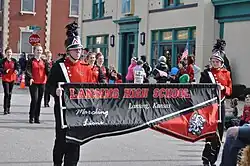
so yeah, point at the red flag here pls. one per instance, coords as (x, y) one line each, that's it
(193, 125)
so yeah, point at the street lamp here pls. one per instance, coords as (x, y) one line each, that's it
(112, 40)
(142, 38)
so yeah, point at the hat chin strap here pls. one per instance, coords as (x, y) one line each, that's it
(73, 57)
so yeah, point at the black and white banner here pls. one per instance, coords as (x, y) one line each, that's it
(90, 111)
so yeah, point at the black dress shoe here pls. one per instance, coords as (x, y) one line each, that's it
(8, 111)
(31, 121)
(46, 105)
(5, 112)
(37, 121)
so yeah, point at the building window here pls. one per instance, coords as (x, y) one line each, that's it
(98, 8)
(99, 44)
(28, 5)
(74, 8)
(171, 43)
(24, 42)
(171, 3)
(1, 5)
(182, 34)
(167, 35)
(127, 7)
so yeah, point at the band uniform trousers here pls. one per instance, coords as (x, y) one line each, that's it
(46, 97)
(36, 94)
(70, 152)
(8, 87)
(212, 147)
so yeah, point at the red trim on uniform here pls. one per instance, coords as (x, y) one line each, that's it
(11, 75)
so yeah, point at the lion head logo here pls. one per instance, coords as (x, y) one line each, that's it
(196, 124)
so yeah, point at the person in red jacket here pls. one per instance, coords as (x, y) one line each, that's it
(104, 69)
(245, 118)
(190, 68)
(217, 74)
(9, 68)
(97, 75)
(36, 72)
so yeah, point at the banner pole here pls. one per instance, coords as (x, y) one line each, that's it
(219, 93)
(61, 107)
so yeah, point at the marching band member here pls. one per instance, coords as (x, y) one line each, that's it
(216, 74)
(9, 69)
(68, 69)
(46, 93)
(36, 72)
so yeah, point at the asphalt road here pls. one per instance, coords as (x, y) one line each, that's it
(24, 144)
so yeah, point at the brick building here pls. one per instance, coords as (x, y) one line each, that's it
(21, 15)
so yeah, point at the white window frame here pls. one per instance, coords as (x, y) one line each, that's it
(28, 12)
(72, 15)
(24, 29)
(131, 12)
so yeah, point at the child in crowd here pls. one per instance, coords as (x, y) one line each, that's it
(245, 118)
(115, 77)
(173, 76)
(139, 73)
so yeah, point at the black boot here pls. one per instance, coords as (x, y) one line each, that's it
(5, 112)
(8, 111)
(37, 120)
(31, 120)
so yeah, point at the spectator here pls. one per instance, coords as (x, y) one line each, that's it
(245, 118)
(22, 61)
(161, 70)
(146, 68)
(190, 69)
(173, 77)
(130, 74)
(139, 73)
(115, 77)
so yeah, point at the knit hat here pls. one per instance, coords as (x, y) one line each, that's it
(73, 40)
(162, 59)
(184, 78)
(174, 71)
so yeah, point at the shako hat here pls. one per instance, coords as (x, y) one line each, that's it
(73, 40)
(218, 50)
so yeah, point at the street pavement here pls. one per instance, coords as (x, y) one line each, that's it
(24, 144)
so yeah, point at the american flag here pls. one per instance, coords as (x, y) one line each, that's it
(185, 53)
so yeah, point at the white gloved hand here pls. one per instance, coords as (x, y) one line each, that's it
(59, 91)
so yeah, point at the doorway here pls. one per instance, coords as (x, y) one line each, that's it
(127, 52)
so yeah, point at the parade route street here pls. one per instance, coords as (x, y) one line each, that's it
(24, 144)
